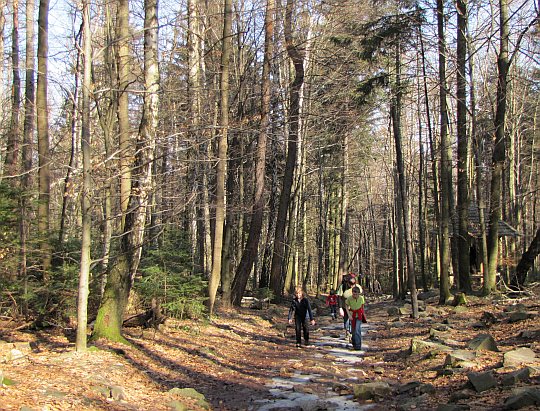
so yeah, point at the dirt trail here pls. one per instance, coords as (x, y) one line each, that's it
(247, 360)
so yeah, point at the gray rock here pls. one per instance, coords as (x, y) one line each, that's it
(410, 386)
(522, 398)
(460, 359)
(488, 318)
(516, 376)
(440, 327)
(482, 381)
(371, 390)
(420, 346)
(515, 308)
(483, 342)
(530, 334)
(460, 395)
(518, 316)
(517, 357)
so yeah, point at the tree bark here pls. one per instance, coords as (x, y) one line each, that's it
(403, 213)
(86, 229)
(294, 110)
(257, 213)
(445, 166)
(123, 71)
(11, 162)
(221, 170)
(463, 154)
(28, 137)
(120, 279)
(499, 152)
(44, 185)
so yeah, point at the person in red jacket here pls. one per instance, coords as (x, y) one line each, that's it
(331, 301)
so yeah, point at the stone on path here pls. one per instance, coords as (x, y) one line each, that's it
(520, 356)
(482, 381)
(483, 342)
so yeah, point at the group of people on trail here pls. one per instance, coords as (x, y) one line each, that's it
(348, 299)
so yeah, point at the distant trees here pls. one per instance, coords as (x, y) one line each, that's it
(347, 138)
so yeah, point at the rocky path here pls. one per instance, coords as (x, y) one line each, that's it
(321, 374)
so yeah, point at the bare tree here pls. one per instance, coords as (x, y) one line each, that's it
(43, 138)
(221, 166)
(252, 245)
(11, 164)
(86, 203)
(463, 150)
(297, 59)
(499, 151)
(445, 165)
(122, 273)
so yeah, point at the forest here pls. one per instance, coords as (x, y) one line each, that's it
(174, 158)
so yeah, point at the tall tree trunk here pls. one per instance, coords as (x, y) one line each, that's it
(294, 110)
(86, 229)
(123, 71)
(107, 121)
(477, 144)
(446, 164)
(221, 170)
(43, 139)
(11, 162)
(257, 213)
(194, 87)
(463, 151)
(499, 152)
(403, 213)
(28, 138)
(70, 169)
(120, 279)
(343, 229)
(433, 156)
(2, 28)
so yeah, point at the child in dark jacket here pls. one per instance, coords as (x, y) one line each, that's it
(300, 309)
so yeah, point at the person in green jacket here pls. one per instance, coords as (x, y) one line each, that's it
(355, 311)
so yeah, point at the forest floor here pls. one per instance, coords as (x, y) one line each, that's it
(246, 359)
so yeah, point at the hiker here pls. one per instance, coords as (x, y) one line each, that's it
(344, 292)
(355, 309)
(332, 302)
(300, 309)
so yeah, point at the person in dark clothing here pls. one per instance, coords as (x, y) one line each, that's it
(300, 310)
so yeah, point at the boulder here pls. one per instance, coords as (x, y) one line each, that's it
(518, 316)
(514, 377)
(423, 347)
(371, 390)
(460, 359)
(520, 356)
(521, 398)
(483, 342)
(482, 381)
